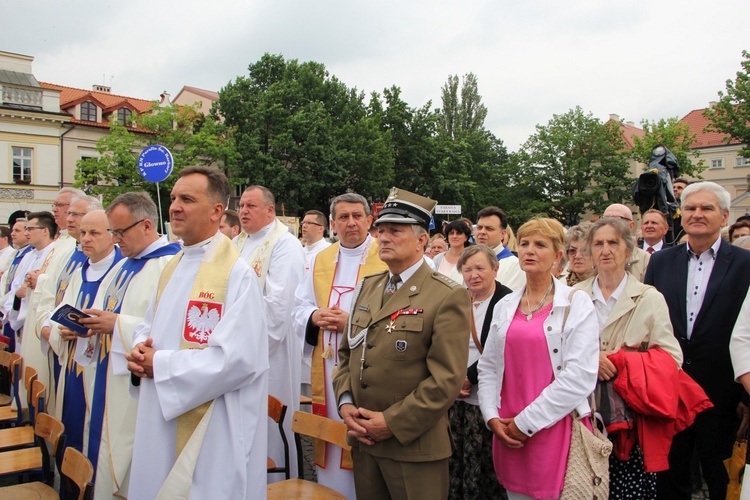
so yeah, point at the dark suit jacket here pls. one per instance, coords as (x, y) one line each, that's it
(642, 244)
(500, 292)
(706, 353)
(413, 372)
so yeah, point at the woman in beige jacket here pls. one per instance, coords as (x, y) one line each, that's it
(631, 316)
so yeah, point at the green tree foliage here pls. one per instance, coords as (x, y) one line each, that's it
(731, 114)
(572, 165)
(470, 166)
(306, 136)
(672, 134)
(192, 138)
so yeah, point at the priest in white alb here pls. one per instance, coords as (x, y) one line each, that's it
(277, 258)
(119, 307)
(200, 361)
(322, 309)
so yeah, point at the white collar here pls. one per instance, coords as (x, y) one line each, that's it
(714, 248)
(409, 271)
(153, 246)
(597, 291)
(104, 263)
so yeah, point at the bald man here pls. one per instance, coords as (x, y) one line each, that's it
(76, 384)
(639, 259)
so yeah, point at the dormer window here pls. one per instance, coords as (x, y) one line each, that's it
(88, 111)
(123, 115)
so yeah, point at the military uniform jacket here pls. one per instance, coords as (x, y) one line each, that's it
(414, 373)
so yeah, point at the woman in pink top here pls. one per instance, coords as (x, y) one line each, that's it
(535, 370)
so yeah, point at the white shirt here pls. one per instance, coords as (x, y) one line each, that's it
(509, 272)
(604, 307)
(311, 250)
(480, 311)
(408, 273)
(658, 246)
(699, 272)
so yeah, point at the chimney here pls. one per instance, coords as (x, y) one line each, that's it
(101, 88)
(613, 117)
(711, 104)
(630, 124)
(164, 99)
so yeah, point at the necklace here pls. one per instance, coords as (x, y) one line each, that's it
(528, 306)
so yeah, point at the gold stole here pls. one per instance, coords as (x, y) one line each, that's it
(260, 259)
(324, 272)
(209, 289)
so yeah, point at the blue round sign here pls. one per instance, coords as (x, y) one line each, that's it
(155, 163)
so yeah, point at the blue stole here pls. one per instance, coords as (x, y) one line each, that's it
(74, 396)
(20, 254)
(7, 330)
(504, 254)
(75, 261)
(113, 298)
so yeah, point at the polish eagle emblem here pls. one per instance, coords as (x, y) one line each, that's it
(202, 318)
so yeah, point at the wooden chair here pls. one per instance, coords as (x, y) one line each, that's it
(10, 416)
(316, 427)
(35, 460)
(75, 467)
(16, 437)
(6, 393)
(277, 413)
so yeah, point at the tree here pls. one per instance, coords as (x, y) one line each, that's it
(672, 134)
(461, 116)
(731, 114)
(574, 164)
(192, 138)
(305, 135)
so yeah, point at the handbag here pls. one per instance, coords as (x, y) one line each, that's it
(587, 473)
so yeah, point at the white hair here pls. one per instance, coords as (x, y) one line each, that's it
(711, 187)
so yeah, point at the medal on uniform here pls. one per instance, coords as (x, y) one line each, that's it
(390, 327)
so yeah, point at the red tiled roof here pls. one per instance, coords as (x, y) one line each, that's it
(697, 124)
(628, 132)
(208, 94)
(110, 103)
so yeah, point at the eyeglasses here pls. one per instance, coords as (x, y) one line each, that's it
(619, 217)
(74, 214)
(31, 228)
(120, 232)
(310, 223)
(57, 204)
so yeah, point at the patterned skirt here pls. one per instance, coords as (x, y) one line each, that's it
(472, 474)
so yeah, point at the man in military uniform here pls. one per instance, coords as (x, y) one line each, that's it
(403, 362)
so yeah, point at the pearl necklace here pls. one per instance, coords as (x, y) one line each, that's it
(528, 306)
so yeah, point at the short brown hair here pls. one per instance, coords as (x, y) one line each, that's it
(218, 184)
(497, 212)
(736, 226)
(655, 211)
(233, 219)
(549, 228)
(319, 216)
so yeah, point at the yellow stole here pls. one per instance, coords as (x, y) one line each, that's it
(324, 272)
(204, 310)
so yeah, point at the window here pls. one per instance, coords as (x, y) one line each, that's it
(123, 115)
(22, 160)
(741, 161)
(717, 163)
(88, 111)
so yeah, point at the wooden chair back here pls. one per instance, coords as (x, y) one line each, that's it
(318, 427)
(277, 413)
(29, 375)
(49, 428)
(78, 469)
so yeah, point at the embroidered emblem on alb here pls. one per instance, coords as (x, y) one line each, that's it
(202, 318)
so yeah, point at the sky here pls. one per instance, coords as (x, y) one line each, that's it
(637, 59)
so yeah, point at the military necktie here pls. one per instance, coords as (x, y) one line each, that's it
(390, 288)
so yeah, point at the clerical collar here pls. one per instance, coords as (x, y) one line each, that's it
(153, 246)
(714, 249)
(312, 246)
(498, 249)
(262, 232)
(409, 271)
(198, 248)
(363, 249)
(103, 264)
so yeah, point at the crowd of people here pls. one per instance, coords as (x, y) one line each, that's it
(461, 364)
